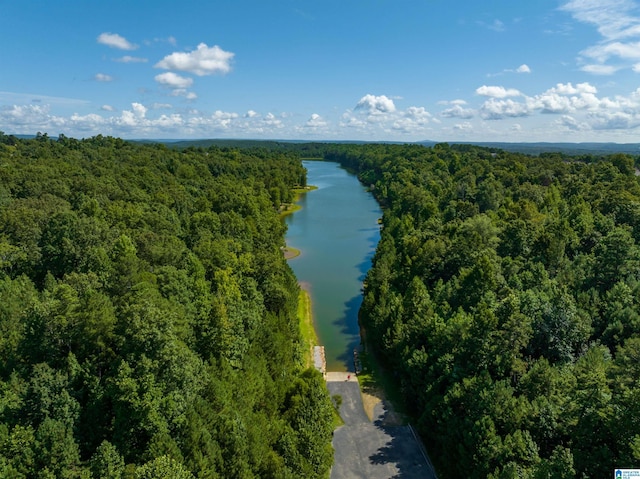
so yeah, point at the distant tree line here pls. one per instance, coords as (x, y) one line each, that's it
(147, 315)
(505, 300)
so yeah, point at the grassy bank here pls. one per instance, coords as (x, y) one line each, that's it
(307, 331)
(290, 208)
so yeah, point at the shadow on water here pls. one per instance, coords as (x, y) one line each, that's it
(348, 327)
(372, 243)
(348, 324)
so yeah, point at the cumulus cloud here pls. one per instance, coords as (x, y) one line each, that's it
(173, 80)
(524, 68)
(107, 108)
(103, 77)
(458, 111)
(140, 121)
(615, 120)
(376, 104)
(466, 126)
(272, 121)
(567, 98)
(315, 121)
(202, 61)
(497, 91)
(412, 120)
(251, 114)
(24, 114)
(569, 89)
(377, 116)
(114, 40)
(570, 123)
(495, 109)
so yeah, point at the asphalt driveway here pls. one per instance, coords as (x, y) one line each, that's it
(372, 450)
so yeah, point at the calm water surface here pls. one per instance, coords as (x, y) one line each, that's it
(337, 232)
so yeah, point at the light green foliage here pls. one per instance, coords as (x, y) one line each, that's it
(163, 467)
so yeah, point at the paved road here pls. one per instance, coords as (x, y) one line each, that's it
(371, 450)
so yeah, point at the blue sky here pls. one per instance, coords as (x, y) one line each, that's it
(403, 70)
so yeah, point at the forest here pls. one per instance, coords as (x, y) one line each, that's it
(148, 322)
(504, 300)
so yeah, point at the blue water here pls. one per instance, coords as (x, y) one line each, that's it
(336, 231)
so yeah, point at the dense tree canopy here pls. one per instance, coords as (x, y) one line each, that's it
(147, 316)
(505, 298)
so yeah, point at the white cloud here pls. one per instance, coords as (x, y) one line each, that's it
(202, 61)
(494, 109)
(458, 111)
(139, 110)
(600, 69)
(376, 104)
(188, 95)
(614, 19)
(524, 68)
(618, 24)
(24, 114)
(107, 108)
(570, 123)
(173, 80)
(114, 40)
(103, 77)
(569, 89)
(315, 121)
(615, 120)
(130, 59)
(466, 126)
(497, 91)
(272, 121)
(566, 98)
(162, 106)
(251, 114)
(412, 120)
(349, 120)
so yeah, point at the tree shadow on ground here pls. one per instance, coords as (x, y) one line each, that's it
(404, 452)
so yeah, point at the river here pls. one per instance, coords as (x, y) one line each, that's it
(337, 232)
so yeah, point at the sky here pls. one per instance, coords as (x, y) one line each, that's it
(372, 70)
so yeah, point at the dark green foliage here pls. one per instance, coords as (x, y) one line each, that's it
(147, 315)
(504, 297)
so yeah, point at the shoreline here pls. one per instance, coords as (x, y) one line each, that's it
(289, 208)
(308, 335)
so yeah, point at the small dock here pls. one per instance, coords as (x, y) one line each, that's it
(319, 360)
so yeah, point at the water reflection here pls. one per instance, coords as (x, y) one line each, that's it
(337, 230)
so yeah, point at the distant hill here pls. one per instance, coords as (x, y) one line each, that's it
(544, 147)
(533, 149)
(306, 146)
